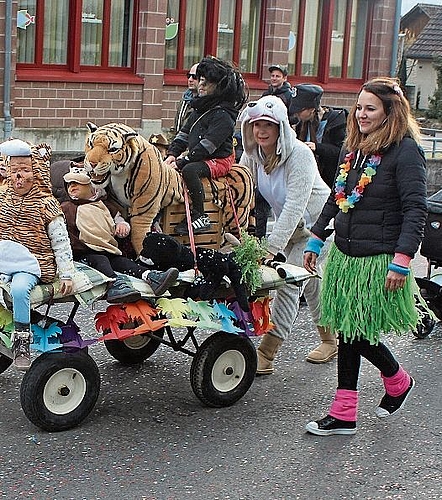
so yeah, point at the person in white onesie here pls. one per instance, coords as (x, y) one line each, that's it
(286, 174)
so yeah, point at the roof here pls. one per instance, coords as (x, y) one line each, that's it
(428, 43)
(427, 9)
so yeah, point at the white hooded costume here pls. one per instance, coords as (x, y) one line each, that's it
(296, 193)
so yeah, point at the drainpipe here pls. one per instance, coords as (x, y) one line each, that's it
(7, 124)
(397, 24)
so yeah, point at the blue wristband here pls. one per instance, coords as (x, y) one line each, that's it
(314, 245)
(398, 269)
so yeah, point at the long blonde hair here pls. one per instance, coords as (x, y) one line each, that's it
(399, 122)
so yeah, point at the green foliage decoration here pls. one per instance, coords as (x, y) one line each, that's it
(248, 255)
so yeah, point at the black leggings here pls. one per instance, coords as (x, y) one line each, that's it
(349, 361)
(192, 174)
(108, 263)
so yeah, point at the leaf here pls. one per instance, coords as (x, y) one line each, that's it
(243, 318)
(178, 309)
(71, 337)
(144, 312)
(260, 311)
(6, 339)
(5, 316)
(248, 256)
(174, 307)
(225, 315)
(46, 339)
(110, 321)
(204, 313)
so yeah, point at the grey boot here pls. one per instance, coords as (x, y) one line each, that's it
(21, 341)
(120, 291)
(266, 352)
(160, 281)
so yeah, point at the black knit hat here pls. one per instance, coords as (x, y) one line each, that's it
(305, 96)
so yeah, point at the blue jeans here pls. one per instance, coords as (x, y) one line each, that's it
(21, 285)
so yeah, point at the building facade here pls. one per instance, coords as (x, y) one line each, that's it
(421, 31)
(68, 62)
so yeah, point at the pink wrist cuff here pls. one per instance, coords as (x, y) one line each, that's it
(401, 259)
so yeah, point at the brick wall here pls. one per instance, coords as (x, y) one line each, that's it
(58, 111)
(51, 104)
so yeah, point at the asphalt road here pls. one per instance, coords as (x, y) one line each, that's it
(149, 437)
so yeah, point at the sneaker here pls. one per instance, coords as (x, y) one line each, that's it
(200, 224)
(330, 425)
(160, 281)
(21, 351)
(120, 291)
(391, 405)
(181, 228)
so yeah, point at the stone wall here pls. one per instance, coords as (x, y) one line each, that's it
(434, 176)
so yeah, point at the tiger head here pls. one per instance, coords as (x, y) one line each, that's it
(109, 151)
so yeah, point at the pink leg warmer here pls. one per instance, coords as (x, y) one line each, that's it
(345, 405)
(397, 384)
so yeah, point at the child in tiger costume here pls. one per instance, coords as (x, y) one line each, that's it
(34, 242)
(207, 135)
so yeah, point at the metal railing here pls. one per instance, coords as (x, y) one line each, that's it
(432, 141)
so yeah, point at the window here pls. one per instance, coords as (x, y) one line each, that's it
(76, 37)
(190, 36)
(328, 39)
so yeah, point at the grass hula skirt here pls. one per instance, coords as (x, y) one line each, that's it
(354, 300)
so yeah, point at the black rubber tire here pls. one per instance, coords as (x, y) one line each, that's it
(425, 328)
(134, 350)
(5, 363)
(223, 369)
(60, 390)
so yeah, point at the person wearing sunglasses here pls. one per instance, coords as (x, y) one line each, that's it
(184, 109)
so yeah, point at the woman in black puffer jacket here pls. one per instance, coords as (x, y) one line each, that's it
(207, 134)
(378, 204)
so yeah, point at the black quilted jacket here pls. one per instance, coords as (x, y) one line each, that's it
(391, 215)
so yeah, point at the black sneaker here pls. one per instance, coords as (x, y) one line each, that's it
(391, 405)
(21, 351)
(181, 228)
(120, 291)
(330, 425)
(160, 281)
(200, 224)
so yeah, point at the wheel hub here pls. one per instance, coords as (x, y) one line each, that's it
(64, 391)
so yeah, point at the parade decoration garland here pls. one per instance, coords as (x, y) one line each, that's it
(121, 321)
(346, 202)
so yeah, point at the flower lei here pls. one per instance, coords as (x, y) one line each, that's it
(346, 202)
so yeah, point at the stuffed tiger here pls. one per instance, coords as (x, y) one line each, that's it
(124, 163)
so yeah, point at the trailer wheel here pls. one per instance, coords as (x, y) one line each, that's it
(5, 363)
(134, 350)
(425, 328)
(223, 369)
(60, 390)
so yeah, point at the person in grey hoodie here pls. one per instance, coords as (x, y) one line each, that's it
(286, 174)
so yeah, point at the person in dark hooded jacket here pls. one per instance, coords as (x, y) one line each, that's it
(208, 134)
(322, 128)
(279, 86)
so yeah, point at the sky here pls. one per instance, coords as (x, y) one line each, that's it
(409, 4)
